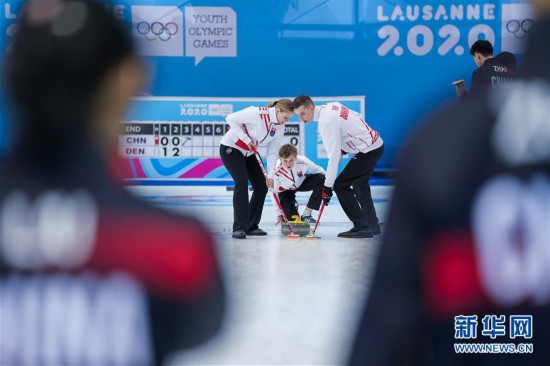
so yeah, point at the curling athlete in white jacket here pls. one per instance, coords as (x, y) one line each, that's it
(343, 131)
(296, 173)
(250, 128)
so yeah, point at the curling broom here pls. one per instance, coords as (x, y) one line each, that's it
(312, 236)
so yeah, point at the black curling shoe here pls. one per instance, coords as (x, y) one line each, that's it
(357, 232)
(257, 232)
(239, 234)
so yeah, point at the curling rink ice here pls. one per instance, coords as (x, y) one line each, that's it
(290, 302)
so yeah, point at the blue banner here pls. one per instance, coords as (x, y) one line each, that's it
(402, 55)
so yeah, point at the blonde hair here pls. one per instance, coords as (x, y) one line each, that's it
(285, 105)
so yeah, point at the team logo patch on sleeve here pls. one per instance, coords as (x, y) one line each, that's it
(272, 132)
(300, 173)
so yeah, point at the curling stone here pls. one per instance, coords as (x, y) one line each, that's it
(298, 227)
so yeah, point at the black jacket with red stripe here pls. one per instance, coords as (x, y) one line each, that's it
(92, 275)
(468, 234)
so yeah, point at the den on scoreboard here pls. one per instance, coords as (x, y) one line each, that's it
(176, 139)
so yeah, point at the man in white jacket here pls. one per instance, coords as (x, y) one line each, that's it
(296, 173)
(344, 131)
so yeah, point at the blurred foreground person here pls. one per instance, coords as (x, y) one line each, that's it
(463, 275)
(88, 274)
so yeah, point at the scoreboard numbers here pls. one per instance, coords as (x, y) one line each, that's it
(174, 139)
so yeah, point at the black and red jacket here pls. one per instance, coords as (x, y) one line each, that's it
(92, 275)
(468, 231)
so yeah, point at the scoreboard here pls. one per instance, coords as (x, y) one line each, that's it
(172, 139)
(177, 140)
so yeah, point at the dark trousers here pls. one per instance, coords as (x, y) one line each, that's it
(313, 182)
(353, 189)
(246, 216)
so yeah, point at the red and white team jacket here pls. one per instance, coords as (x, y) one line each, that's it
(291, 179)
(258, 124)
(342, 129)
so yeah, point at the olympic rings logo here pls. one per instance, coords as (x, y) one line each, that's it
(157, 29)
(520, 29)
